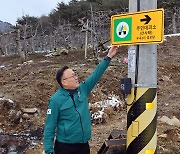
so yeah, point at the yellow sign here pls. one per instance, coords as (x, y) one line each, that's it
(143, 27)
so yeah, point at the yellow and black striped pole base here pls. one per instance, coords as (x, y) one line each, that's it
(142, 121)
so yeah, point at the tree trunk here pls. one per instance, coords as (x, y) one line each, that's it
(3, 53)
(178, 21)
(6, 50)
(32, 44)
(174, 23)
(86, 41)
(19, 47)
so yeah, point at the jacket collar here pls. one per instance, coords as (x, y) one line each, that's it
(64, 91)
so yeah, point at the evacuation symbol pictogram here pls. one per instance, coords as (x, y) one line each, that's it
(122, 29)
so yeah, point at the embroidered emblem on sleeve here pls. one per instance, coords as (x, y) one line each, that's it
(49, 111)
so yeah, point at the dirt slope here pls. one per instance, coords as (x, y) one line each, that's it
(30, 86)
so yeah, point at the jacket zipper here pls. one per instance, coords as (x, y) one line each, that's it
(79, 115)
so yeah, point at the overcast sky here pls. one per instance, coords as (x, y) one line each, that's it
(10, 10)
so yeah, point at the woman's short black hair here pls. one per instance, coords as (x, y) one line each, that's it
(60, 73)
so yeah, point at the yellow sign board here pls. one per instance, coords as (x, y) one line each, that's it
(144, 27)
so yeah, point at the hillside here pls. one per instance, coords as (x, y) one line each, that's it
(26, 88)
(5, 26)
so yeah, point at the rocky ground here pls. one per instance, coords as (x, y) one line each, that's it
(26, 88)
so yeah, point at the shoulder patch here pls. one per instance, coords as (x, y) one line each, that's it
(49, 111)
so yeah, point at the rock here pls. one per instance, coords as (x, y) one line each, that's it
(167, 151)
(166, 78)
(64, 51)
(61, 52)
(25, 116)
(18, 113)
(174, 121)
(27, 62)
(7, 103)
(29, 110)
(164, 119)
(163, 136)
(12, 112)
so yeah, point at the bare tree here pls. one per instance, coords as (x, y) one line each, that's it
(19, 46)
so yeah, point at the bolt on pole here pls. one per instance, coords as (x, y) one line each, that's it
(142, 102)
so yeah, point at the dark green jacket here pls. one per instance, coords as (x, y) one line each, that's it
(69, 120)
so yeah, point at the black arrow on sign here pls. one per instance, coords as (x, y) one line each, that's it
(147, 19)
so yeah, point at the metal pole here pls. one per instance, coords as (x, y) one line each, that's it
(142, 102)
